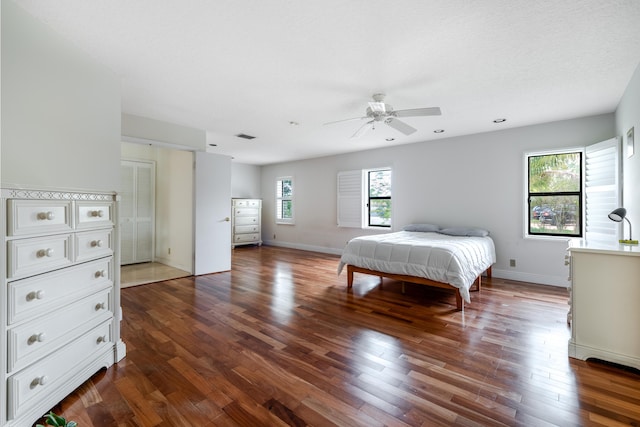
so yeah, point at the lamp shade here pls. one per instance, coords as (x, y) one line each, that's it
(618, 215)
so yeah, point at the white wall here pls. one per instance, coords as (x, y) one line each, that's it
(245, 181)
(475, 180)
(628, 116)
(174, 208)
(138, 128)
(60, 111)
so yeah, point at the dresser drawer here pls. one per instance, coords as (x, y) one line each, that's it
(245, 220)
(33, 340)
(48, 374)
(247, 212)
(93, 214)
(93, 244)
(26, 217)
(28, 298)
(243, 229)
(244, 238)
(36, 255)
(247, 203)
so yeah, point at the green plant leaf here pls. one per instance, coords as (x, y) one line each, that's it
(72, 424)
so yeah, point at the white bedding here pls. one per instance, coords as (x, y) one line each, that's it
(456, 260)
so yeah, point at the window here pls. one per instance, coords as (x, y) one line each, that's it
(554, 183)
(379, 198)
(284, 200)
(364, 198)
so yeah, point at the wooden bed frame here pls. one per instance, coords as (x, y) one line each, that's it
(477, 284)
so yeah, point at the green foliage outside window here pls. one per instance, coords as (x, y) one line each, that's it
(555, 194)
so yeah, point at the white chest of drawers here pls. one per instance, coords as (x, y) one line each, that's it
(605, 294)
(246, 221)
(61, 297)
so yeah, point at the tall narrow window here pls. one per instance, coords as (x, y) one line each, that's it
(554, 182)
(284, 200)
(379, 197)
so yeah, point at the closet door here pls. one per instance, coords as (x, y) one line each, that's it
(137, 211)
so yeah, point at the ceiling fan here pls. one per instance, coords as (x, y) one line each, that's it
(378, 111)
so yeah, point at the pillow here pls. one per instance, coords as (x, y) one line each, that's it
(465, 231)
(421, 227)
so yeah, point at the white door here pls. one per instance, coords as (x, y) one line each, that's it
(137, 207)
(212, 229)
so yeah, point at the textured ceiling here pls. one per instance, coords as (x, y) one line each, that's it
(254, 66)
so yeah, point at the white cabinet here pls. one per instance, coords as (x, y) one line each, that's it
(605, 301)
(61, 300)
(246, 223)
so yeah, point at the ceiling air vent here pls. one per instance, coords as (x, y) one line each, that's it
(245, 136)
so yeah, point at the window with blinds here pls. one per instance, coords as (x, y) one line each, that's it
(284, 200)
(570, 193)
(364, 198)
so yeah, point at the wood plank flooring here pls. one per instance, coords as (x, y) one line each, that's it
(279, 341)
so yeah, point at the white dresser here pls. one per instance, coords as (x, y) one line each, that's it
(246, 219)
(605, 302)
(61, 299)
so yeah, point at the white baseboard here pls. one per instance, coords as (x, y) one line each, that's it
(312, 248)
(167, 261)
(540, 279)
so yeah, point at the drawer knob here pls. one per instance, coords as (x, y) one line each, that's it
(46, 215)
(45, 253)
(101, 306)
(100, 273)
(96, 243)
(37, 338)
(39, 381)
(39, 294)
(99, 213)
(102, 339)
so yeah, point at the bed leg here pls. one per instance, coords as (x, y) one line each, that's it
(477, 284)
(459, 303)
(489, 272)
(349, 277)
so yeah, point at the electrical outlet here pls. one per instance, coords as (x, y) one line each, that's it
(512, 263)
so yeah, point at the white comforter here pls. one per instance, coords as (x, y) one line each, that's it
(455, 260)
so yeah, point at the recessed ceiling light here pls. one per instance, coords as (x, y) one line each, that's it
(390, 139)
(213, 145)
(294, 123)
(499, 120)
(438, 131)
(245, 136)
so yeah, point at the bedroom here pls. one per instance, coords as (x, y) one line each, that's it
(484, 185)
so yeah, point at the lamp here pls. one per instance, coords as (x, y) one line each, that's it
(618, 215)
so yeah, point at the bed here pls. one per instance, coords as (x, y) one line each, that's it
(450, 258)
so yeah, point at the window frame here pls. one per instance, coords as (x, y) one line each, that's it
(580, 193)
(366, 219)
(280, 199)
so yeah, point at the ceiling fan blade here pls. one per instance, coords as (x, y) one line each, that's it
(345, 120)
(432, 111)
(365, 127)
(400, 126)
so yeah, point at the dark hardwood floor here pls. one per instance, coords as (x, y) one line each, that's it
(279, 341)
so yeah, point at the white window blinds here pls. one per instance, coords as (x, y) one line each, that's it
(602, 190)
(350, 199)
